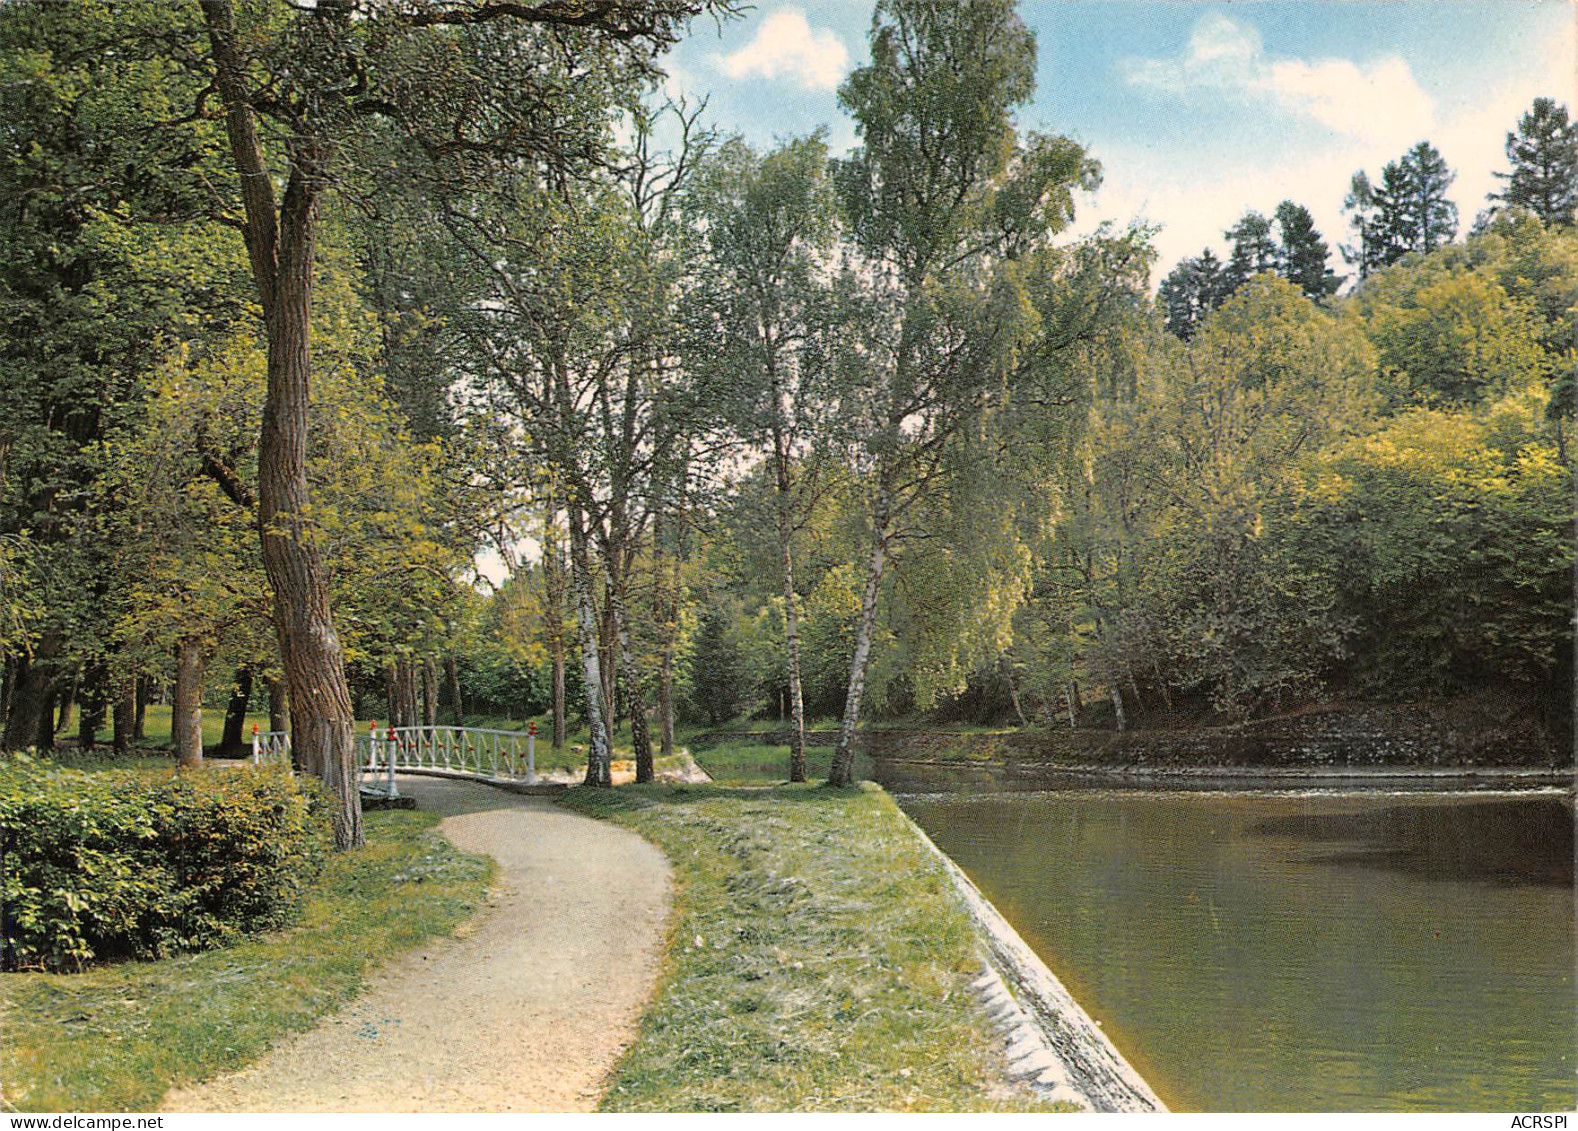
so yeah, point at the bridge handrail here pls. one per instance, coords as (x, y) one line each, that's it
(476, 752)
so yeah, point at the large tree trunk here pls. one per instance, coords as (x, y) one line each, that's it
(67, 703)
(32, 714)
(125, 714)
(635, 700)
(278, 706)
(1119, 717)
(280, 246)
(664, 597)
(233, 740)
(91, 703)
(452, 674)
(429, 693)
(598, 754)
(842, 771)
(186, 717)
(140, 722)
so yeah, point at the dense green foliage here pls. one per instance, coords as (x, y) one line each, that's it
(116, 1037)
(135, 864)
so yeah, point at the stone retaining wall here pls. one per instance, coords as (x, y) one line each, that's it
(1428, 734)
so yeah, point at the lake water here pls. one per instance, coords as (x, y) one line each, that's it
(1277, 952)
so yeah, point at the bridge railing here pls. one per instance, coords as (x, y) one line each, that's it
(469, 751)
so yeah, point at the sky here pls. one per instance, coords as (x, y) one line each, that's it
(1198, 112)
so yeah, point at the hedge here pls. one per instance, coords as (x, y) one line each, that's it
(138, 864)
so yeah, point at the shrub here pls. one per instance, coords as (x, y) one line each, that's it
(129, 864)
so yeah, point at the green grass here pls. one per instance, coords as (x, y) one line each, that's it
(819, 959)
(755, 763)
(156, 726)
(117, 1037)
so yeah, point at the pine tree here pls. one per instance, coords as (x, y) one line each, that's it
(1427, 217)
(1302, 255)
(1254, 250)
(1407, 212)
(1193, 289)
(1543, 154)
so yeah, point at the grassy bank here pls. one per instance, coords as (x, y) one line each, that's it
(756, 763)
(819, 960)
(117, 1037)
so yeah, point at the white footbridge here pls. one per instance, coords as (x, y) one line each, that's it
(499, 757)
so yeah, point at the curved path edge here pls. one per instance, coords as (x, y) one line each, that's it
(527, 1007)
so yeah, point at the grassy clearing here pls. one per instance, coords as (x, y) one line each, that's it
(819, 960)
(116, 1038)
(757, 764)
(156, 726)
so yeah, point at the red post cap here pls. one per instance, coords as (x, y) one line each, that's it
(254, 728)
(531, 728)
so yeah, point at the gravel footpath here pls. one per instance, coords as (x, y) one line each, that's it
(526, 1009)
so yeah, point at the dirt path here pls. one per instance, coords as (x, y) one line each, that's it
(526, 1012)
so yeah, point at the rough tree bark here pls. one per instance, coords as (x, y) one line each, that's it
(186, 716)
(281, 238)
(278, 705)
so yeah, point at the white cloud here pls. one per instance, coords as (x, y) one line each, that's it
(787, 45)
(1195, 203)
(1377, 101)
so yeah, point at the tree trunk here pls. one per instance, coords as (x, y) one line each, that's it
(91, 704)
(559, 734)
(233, 741)
(7, 686)
(1068, 698)
(68, 704)
(186, 717)
(280, 246)
(32, 700)
(782, 483)
(125, 714)
(664, 598)
(1117, 705)
(1013, 692)
(842, 771)
(429, 693)
(452, 674)
(797, 767)
(635, 700)
(598, 755)
(139, 723)
(278, 706)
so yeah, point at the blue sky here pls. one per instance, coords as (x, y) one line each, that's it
(1197, 111)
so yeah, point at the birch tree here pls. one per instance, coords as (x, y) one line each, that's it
(947, 213)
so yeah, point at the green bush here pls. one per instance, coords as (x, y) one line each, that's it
(129, 864)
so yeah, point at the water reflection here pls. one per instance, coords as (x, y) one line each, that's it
(1264, 952)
